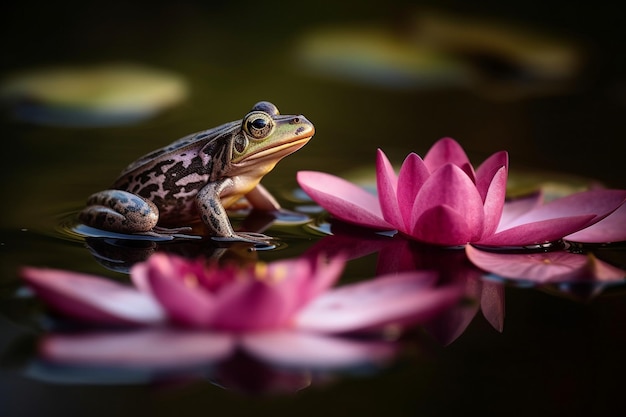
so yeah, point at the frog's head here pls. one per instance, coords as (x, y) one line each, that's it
(265, 137)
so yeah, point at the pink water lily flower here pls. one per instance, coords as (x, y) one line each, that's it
(280, 310)
(442, 200)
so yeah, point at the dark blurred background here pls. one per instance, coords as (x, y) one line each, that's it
(237, 52)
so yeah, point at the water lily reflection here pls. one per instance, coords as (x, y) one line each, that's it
(282, 312)
(148, 355)
(442, 200)
(453, 267)
(546, 267)
(450, 268)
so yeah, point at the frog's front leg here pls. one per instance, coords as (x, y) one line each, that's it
(215, 217)
(120, 211)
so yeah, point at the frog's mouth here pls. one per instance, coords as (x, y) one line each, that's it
(280, 151)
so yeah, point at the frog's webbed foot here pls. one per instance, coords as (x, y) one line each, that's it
(170, 233)
(172, 230)
(258, 239)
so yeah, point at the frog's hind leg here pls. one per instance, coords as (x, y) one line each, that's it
(261, 199)
(258, 199)
(120, 211)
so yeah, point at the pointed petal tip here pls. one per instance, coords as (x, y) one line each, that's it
(448, 150)
(446, 140)
(536, 233)
(343, 199)
(91, 298)
(405, 298)
(608, 230)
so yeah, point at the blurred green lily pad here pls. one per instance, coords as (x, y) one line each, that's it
(108, 94)
(378, 56)
(495, 59)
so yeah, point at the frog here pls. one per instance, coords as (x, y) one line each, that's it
(200, 177)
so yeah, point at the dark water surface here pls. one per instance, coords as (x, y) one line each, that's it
(561, 351)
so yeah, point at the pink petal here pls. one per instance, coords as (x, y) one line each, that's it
(598, 203)
(413, 175)
(538, 232)
(306, 350)
(174, 266)
(185, 301)
(488, 169)
(545, 267)
(443, 226)
(139, 277)
(516, 208)
(375, 303)
(492, 303)
(448, 208)
(448, 151)
(150, 347)
(92, 298)
(343, 199)
(251, 303)
(452, 323)
(610, 229)
(297, 278)
(494, 202)
(268, 298)
(325, 274)
(387, 184)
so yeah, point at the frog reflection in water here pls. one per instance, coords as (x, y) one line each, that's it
(200, 176)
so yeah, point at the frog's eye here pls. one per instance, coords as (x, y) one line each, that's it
(258, 125)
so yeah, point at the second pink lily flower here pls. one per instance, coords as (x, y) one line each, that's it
(442, 200)
(286, 312)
